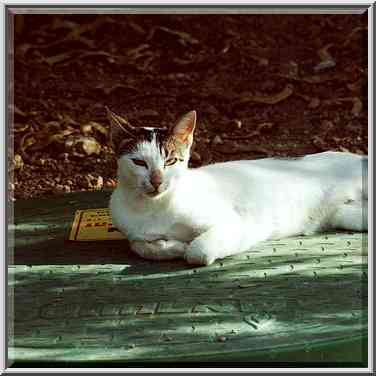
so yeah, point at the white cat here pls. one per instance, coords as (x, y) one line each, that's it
(169, 211)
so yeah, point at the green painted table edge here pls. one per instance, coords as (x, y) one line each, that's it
(338, 353)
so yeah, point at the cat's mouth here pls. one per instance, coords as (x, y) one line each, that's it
(156, 193)
(153, 193)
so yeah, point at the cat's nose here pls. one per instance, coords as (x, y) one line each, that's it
(156, 179)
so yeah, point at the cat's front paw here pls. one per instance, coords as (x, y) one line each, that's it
(197, 256)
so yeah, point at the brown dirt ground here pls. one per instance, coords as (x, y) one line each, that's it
(263, 85)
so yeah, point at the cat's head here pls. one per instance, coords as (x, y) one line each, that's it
(151, 159)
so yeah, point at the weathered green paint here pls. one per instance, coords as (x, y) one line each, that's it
(300, 299)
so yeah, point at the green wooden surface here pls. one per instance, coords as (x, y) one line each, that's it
(298, 300)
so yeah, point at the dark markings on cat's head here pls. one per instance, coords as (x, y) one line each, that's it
(142, 134)
(173, 142)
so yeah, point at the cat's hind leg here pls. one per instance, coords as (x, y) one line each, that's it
(351, 216)
(352, 213)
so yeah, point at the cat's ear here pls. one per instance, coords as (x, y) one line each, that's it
(184, 128)
(119, 128)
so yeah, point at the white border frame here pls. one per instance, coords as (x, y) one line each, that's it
(91, 5)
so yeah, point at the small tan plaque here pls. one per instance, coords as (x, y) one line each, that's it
(94, 224)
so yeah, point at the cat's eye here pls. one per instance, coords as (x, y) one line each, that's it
(139, 162)
(171, 161)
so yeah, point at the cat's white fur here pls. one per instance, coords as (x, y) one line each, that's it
(223, 209)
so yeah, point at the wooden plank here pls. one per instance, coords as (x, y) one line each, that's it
(83, 302)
